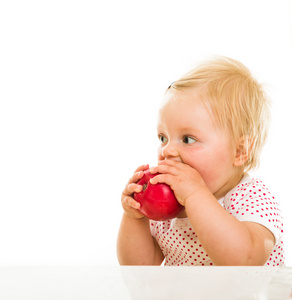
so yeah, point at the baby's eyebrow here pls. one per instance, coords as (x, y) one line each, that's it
(189, 129)
(159, 126)
(159, 131)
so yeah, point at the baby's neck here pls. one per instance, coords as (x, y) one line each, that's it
(233, 182)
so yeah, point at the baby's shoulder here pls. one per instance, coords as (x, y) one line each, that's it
(249, 188)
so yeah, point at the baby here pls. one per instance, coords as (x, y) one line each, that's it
(212, 126)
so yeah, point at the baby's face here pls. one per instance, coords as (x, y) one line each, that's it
(188, 133)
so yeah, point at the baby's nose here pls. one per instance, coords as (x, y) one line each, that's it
(170, 152)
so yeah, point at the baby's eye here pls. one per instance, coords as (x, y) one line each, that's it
(189, 140)
(162, 139)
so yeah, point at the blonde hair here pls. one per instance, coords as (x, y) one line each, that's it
(237, 100)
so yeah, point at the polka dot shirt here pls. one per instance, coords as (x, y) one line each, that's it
(250, 201)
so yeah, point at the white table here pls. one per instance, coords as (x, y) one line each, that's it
(93, 282)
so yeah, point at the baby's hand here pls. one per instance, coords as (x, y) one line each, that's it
(130, 205)
(184, 180)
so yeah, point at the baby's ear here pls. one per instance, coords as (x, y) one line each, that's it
(243, 148)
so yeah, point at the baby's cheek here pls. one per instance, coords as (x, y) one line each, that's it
(210, 176)
(206, 169)
(214, 168)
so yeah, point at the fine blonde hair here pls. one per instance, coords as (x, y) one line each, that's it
(237, 101)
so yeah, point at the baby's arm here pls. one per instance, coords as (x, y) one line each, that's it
(226, 240)
(135, 244)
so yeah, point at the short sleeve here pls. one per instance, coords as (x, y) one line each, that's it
(251, 201)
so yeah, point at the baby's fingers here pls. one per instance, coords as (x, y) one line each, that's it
(163, 178)
(132, 203)
(142, 168)
(131, 207)
(139, 173)
(136, 177)
(133, 188)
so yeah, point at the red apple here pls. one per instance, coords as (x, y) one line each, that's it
(157, 201)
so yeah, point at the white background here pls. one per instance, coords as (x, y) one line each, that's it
(80, 85)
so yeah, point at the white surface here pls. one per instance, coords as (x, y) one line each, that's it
(81, 82)
(123, 283)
